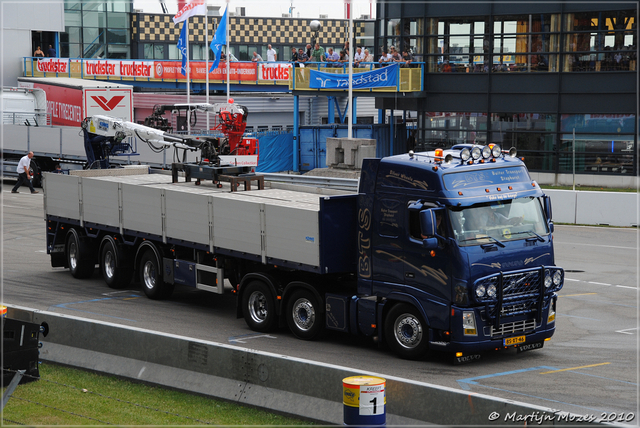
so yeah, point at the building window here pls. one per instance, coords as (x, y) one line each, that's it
(446, 129)
(600, 41)
(604, 143)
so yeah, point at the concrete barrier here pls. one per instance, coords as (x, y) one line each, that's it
(279, 383)
(605, 208)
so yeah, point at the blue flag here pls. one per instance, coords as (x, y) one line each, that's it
(218, 41)
(182, 47)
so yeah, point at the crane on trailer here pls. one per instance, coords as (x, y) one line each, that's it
(231, 121)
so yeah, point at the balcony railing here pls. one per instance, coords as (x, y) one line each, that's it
(282, 73)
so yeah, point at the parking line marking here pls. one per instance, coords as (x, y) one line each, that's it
(575, 368)
(598, 283)
(571, 279)
(626, 286)
(571, 295)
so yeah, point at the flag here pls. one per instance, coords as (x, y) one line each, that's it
(182, 47)
(218, 40)
(195, 7)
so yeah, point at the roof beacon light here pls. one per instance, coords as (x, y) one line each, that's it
(439, 154)
(486, 152)
(496, 150)
(476, 153)
(513, 152)
(465, 154)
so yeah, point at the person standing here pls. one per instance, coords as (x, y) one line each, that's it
(272, 55)
(51, 53)
(38, 53)
(256, 57)
(24, 175)
(358, 57)
(317, 55)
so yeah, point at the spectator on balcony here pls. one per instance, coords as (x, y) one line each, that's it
(332, 58)
(368, 57)
(294, 56)
(384, 58)
(317, 54)
(358, 57)
(51, 52)
(256, 57)
(302, 57)
(272, 55)
(38, 53)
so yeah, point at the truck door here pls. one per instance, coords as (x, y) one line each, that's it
(387, 254)
(428, 270)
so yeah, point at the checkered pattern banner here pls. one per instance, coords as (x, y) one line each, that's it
(243, 30)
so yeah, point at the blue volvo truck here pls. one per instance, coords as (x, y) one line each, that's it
(450, 250)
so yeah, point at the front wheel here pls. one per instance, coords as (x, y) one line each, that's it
(406, 332)
(113, 273)
(304, 317)
(151, 277)
(258, 307)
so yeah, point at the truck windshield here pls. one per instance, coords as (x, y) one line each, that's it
(497, 222)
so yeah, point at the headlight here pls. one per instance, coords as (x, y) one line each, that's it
(469, 323)
(480, 291)
(557, 278)
(547, 279)
(496, 150)
(465, 154)
(476, 153)
(491, 291)
(486, 152)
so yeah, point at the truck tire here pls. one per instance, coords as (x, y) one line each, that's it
(258, 307)
(151, 277)
(80, 263)
(406, 333)
(304, 317)
(36, 181)
(115, 276)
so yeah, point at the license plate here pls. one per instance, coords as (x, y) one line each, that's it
(514, 340)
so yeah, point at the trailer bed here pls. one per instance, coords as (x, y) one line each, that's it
(272, 225)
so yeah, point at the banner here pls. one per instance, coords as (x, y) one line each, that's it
(274, 71)
(245, 71)
(219, 39)
(52, 65)
(97, 68)
(378, 78)
(196, 7)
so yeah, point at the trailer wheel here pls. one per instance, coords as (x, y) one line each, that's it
(258, 307)
(151, 277)
(115, 276)
(406, 332)
(304, 317)
(80, 265)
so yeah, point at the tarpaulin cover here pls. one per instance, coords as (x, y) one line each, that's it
(276, 153)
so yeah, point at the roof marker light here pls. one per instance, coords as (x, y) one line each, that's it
(486, 190)
(510, 187)
(460, 193)
(486, 152)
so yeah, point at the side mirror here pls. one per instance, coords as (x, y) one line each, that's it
(428, 223)
(430, 243)
(546, 200)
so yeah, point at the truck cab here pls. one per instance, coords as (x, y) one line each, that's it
(457, 247)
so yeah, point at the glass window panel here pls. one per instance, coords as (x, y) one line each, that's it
(96, 6)
(119, 6)
(91, 35)
(118, 20)
(158, 51)
(597, 123)
(174, 53)
(393, 27)
(243, 53)
(72, 5)
(73, 18)
(147, 50)
(118, 52)
(117, 36)
(94, 19)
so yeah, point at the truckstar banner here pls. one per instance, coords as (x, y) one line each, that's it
(378, 78)
(99, 68)
(274, 71)
(53, 65)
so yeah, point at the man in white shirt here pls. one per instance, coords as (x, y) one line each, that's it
(358, 57)
(332, 58)
(271, 54)
(24, 175)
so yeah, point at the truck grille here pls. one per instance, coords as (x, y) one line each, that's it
(511, 327)
(515, 284)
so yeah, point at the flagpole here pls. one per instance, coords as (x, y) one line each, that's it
(206, 59)
(226, 36)
(188, 88)
(351, 51)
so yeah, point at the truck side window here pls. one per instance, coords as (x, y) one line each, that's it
(414, 224)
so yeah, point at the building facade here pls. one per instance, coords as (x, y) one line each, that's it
(546, 78)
